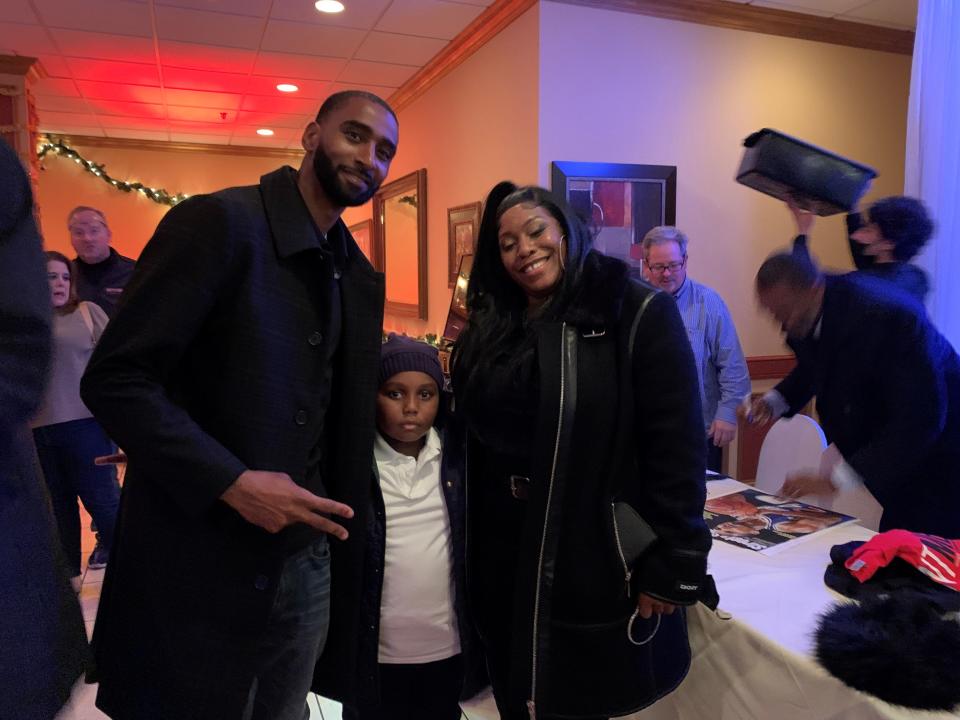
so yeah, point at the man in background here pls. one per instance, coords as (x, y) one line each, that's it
(724, 379)
(102, 273)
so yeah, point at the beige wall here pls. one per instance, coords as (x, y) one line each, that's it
(618, 87)
(475, 127)
(132, 217)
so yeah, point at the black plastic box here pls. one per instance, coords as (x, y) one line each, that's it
(817, 180)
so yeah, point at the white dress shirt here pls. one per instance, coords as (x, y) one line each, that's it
(418, 622)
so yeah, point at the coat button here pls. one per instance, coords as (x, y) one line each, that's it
(261, 582)
(315, 338)
(301, 417)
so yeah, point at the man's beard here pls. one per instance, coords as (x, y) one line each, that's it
(339, 194)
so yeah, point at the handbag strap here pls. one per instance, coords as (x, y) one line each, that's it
(636, 323)
(84, 309)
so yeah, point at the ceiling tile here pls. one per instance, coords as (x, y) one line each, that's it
(62, 119)
(203, 114)
(373, 73)
(399, 49)
(255, 8)
(205, 128)
(285, 105)
(198, 98)
(58, 128)
(110, 71)
(267, 85)
(428, 18)
(131, 109)
(104, 16)
(488, 3)
(206, 139)
(55, 66)
(361, 14)
(197, 26)
(273, 120)
(31, 40)
(17, 11)
(101, 46)
(298, 66)
(203, 57)
(121, 91)
(893, 13)
(137, 134)
(308, 39)
(185, 79)
(61, 87)
(61, 104)
(132, 121)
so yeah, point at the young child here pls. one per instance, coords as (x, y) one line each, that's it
(415, 635)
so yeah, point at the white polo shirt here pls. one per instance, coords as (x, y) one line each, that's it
(418, 622)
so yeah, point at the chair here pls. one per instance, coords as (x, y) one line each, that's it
(858, 501)
(791, 444)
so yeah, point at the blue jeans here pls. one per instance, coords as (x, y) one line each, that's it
(295, 636)
(66, 451)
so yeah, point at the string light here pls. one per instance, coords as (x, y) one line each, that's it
(59, 147)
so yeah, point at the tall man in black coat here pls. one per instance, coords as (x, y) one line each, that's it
(239, 375)
(43, 646)
(887, 385)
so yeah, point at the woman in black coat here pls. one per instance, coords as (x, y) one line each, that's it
(585, 468)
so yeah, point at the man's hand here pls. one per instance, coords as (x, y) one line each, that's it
(721, 432)
(273, 501)
(648, 606)
(806, 482)
(803, 218)
(755, 411)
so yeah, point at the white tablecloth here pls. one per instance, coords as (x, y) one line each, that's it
(757, 663)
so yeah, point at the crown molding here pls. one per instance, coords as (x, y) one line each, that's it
(16, 64)
(768, 21)
(473, 37)
(163, 146)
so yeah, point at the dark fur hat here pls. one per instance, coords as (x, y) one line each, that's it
(898, 647)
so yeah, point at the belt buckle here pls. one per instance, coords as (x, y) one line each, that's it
(520, 487)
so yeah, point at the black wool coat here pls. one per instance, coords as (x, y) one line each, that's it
(571, 655)
(210, 367)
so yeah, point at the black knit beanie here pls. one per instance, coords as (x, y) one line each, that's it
(401, 354)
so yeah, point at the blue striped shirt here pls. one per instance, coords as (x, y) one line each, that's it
(724, 380)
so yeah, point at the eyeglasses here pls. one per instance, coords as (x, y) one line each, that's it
(672, 267)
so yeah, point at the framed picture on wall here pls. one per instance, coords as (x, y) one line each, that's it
(463, 222)
(363, 235)
(620, 202)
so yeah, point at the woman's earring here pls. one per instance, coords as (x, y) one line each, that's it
(563, 265)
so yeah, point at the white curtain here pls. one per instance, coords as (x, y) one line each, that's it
(933, 153)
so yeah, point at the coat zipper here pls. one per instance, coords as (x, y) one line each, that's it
(627, 572)
(532, 702)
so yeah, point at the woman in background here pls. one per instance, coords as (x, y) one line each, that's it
(585, 466)
(66, 435)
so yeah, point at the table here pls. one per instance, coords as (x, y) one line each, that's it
(752, 660)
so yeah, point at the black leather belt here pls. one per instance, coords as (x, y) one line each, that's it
(520, 487)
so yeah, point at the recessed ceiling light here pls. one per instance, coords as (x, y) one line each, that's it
(287, 87)
(329, 6)
(266, 132)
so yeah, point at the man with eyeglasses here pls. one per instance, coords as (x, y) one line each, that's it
(724, 380)
(102, 272)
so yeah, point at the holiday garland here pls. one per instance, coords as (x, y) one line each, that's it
(59, 147)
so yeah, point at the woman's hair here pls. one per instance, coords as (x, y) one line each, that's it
(71, 304)
(495, 304)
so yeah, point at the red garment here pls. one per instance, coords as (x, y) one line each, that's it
(936, 557)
